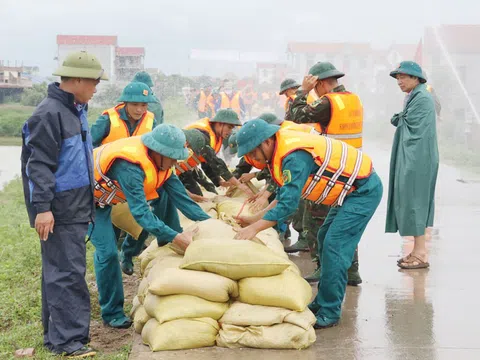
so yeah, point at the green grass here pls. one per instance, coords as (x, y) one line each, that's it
(12, 117)
(20, 271)
(10, 141)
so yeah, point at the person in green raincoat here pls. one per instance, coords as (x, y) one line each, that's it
(159, 149)
(413, 165)
(293, 162)
(156, 108)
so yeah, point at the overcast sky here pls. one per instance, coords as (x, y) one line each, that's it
(169, 29)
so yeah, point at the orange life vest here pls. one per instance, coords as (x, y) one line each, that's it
(254, 163)
(205, 102)
(346, 121)
(191, 163)
(205, 125)
(234, 103)
(107, 191)
(118, 128)
(332, 156)
(306, 128)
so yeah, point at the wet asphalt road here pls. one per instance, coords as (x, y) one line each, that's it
(397, 314)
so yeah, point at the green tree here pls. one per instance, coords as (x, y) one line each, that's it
(34, 95)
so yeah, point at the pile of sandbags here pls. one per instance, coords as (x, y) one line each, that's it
(232, 293)
(267, 284)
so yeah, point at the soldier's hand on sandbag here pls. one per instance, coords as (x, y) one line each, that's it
(182, 240)
(260, 203)
(246, 177)
(44, 223)
(197, 198)
(247, 233)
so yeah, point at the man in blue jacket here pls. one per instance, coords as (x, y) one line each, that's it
(57, 174)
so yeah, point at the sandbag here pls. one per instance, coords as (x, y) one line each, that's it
(206, 285)
(233, 207)
(286, 290)
(242, 314)
(142, 290)
(135, 305)
(234, 259)
(153, 251)
(171, 307)
(279, 336)
(140, 319)
(162, 262)
(213, 228)
(270, 239)
(123, 219)
(180, 334)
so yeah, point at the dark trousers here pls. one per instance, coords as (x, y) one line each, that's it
(65, 296)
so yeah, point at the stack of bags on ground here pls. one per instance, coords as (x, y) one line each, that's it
(227, 292)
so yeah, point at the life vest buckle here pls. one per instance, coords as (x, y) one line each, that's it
(347, 187)
(331, 183)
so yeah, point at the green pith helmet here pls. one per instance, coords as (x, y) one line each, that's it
(137, 92)
(325, 70)
(81, 64)
(167, 140)
(271, 118)
(195, 139)
(252, 134)
(226, 116)
(143, 77)
(288, 84)
(410, 68)
(232, 142)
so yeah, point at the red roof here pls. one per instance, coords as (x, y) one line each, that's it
(86, 40)
(130, 51)
(457, 38)
(328, 48)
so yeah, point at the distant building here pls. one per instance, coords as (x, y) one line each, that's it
(129, 60)
(120, 63)
(12, 82)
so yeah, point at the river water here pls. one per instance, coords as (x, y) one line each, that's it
(9, 163)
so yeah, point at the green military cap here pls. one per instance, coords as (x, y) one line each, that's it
(143, 77)
(325, 70)
(167, 140)
(81, 64)
(271, 118)
(252, 134)
(137, 92)
(410, 68)
(288, 84)
(226, 116)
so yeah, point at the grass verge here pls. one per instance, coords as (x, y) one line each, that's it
(20, 295)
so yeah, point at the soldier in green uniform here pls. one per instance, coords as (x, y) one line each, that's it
(288, 88)
(319, 112)
(214, 167)
(156, 108)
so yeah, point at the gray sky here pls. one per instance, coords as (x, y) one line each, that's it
(168, 29)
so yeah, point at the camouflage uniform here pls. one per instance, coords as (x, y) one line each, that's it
(214, 167)
(315, 214)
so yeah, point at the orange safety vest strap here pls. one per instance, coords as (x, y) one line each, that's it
(108, 191)
(204, 125)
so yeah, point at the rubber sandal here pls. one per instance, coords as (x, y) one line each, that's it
(410, 265)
